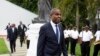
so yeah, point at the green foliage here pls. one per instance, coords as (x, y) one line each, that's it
(3, 47)
(66, 7)
(87, 9)
(27, 4)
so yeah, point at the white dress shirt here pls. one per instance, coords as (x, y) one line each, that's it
(54, 29)
(97, 35)
(13, 29)
(22, 26)
(74, 34)
(66, 33)
(86, 36)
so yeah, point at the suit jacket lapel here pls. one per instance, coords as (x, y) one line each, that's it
(52, 31)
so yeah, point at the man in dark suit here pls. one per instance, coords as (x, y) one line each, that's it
(21, 30)
(12, 36)
(51, 37)
(7, 27)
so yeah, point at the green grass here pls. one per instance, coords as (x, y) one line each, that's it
(78, 50)
(3, 47)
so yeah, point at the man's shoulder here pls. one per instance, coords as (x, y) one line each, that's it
(15, 27)
(24, 25)
(18, 25)
(46, 25)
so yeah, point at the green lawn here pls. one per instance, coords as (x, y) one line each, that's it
(3, 47)
(78, 50)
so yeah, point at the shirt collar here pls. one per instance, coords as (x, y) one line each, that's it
(53, 24)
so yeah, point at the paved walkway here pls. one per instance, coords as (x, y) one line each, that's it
(20, 51)
(5, 55)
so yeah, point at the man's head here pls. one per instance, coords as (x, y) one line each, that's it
(8, 23)
(83, 28)
(66, 27)
(75, 28)
(21, 22)
(55, 15)
(13, 25)
(86, 28)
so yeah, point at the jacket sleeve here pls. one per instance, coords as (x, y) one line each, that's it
(18, 30)
(41, 42)
(25, 28)
(16, 33)
(64, 50)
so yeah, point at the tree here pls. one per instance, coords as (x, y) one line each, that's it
(27, 4)
(86, 9)
(72, 10)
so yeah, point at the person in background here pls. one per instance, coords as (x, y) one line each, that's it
(21, 30)
(97, 43)
(28, 40)
(12, 36)
(66, 36)
(81, 33)
(7, 27)
(86, 36)
(74, 38)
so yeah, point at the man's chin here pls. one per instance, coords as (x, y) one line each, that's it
(57, 22)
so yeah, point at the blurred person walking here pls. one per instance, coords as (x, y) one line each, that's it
(12, 36)
(21, 31)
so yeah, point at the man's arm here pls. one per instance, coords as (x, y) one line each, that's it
(41, 42)
(16, 33)
(25, 28)
(18, 30)
(64, 50)
(64, 47)
(6, 28)
(9, 34)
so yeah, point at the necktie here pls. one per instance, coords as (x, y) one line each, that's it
(57, 34)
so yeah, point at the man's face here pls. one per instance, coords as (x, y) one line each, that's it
(56, 16)
(20, 22)
(8, 23)
(86, 28)
(74, 28)
(13, 25)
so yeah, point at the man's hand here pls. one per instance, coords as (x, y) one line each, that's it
(7, 39)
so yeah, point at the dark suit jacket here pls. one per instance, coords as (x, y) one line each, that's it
(12, 35)
(7, 28)
(21, 31)
(48, 44)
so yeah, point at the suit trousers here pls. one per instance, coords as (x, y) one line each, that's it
(21, 40)
(28, 44)
(12, 45)
(85, 48)
(96, 50)
(67, 42)
(57, 54)
(73, 45)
